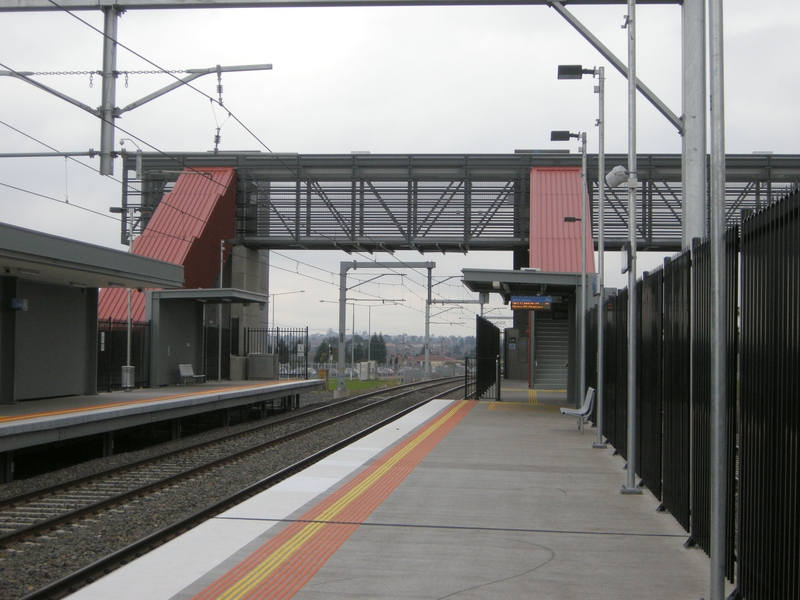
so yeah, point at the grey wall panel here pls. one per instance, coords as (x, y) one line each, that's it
(50, 341)
(8, 320)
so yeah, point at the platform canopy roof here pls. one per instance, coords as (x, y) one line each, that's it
(212, 296)
(45, 258)
(525, 282)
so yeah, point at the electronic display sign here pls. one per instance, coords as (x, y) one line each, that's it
(531, 302)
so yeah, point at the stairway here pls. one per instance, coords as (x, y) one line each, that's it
(550, 353)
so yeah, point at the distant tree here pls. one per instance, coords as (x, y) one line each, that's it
(323, 352)
(377, 348)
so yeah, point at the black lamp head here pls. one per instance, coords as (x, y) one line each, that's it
(560, 136)
(570, 71)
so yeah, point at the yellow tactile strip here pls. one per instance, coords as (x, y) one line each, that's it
(80, 409)
(521, 407)
(283, 565)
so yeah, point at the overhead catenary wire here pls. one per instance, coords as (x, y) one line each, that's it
(200, 171)
(210, 98)
(401, 264)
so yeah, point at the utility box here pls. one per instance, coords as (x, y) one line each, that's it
(367, 370)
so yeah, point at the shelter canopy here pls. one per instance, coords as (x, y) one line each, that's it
(49, 259)
(523, 282)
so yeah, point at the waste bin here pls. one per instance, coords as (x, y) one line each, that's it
(128, 378)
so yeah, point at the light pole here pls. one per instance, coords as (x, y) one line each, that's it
(630, 486)
(564, 136)
(577, 72)
(281, 294)
(128, 376)
(272, 322)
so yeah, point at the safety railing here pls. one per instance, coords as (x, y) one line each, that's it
(289, 344)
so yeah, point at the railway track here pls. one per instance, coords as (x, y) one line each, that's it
(96, 519)
(47, 508)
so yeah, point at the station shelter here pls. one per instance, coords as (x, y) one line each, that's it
(543, 344)
(48, 320)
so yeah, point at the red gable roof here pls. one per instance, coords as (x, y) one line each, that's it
(555, 246)
(185, 229)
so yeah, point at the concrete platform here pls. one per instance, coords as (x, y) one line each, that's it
(35, 422)
(509, 501)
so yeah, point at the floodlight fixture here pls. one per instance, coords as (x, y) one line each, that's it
(573, 71)
(617, 176)
(562, 136)
(572, 219)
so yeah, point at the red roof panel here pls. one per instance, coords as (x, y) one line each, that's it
(555, 246)
(185, 229)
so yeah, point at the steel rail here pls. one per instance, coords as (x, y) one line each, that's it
(25, 496)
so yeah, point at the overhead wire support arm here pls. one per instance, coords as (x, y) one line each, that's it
(25, 76)
(193, 74)
(359, 284)
(108, 112)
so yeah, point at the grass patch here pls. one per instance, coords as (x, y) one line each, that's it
(354, 385)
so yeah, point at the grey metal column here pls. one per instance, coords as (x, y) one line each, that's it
(601, 248)
(109, 100)
(341, 391)
(694, 122)
(428, 324)
(630, 484)
(719, 415)
(219, 311)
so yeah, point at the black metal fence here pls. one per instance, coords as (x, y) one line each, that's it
(112, 353)
(470, 371)
(769, 477)
(763, 395)
(677, 389)
(650, 379)
(290, 345)
(487, 361)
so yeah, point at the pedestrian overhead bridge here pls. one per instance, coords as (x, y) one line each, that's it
(434, 203)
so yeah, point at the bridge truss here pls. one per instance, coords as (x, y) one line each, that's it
(435, 203)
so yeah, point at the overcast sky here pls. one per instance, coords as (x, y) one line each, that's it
(385, 80)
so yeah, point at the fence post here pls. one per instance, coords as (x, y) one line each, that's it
(497, 377)
(110, 353)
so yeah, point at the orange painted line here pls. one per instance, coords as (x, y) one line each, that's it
(67, 411)
(285, 563)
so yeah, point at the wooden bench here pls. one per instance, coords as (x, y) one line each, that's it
(584, 411)
(187, 373)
